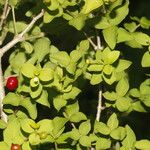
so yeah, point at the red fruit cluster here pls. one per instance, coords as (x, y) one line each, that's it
(15, 147)
(12, 83)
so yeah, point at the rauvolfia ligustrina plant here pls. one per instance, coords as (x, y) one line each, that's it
(73, 63)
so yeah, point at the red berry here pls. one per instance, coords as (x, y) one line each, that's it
(12, 83)
(15, 147)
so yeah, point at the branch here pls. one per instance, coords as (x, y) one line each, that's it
(3, 35)
(2, 95)
(14, 20)
(99, 107)
(4, 14)
(99, 44)
(4, 49)
(20, 37)
(90, 40)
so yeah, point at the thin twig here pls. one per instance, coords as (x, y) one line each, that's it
(7, 12)
(20, 37)
(99, 44)
(3, 35)
(90, 40)
(99, 107)
(14, 20)
(56, 147)
(4, 14)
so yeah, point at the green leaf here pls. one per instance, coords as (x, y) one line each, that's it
(123, 104)
(17, 61)
(45, 125)
(102, 128)
(75, 55)
(111, 96)
(90, 5)
(27, 46)
(146, 60)
(134, 92)
(72, 109)
(3, 124)
(142, 38)
(48, 139)
(112, 57)
(118, 134)
(12, 99)
(131, 27)
(85, 127)
(123, 36)
(34, 82)
(85, 141)
(130, 139)
(72, 94)
(26, 146)
(103, 143)
(36, 30)
(46, 74)
(145, 23)
(59, 102)
(43, 99)
(120, 11)
(109, 79)
(145, 87)
(122, 87)
(113, 122)
(48, 17)
(61, 57)
(143, 144)
(95, 67)
(107, 69)
(36, 91)
(78, 22)
(74, 134)
(77, 117)
(71, 68)
(83, 47)
(110, 36)
(146, 100)
(28, 70)
(4, 146)
(13, 2)
(12, 133)
(20, 26)
(41, 48)
(58, 124)
(62, 139)
(30, 107)
(96, 79)
(26, 125)
(134, 44)
(122, 65)
(34, 139)
(138, 106)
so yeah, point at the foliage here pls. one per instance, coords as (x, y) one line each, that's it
(52, 77)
